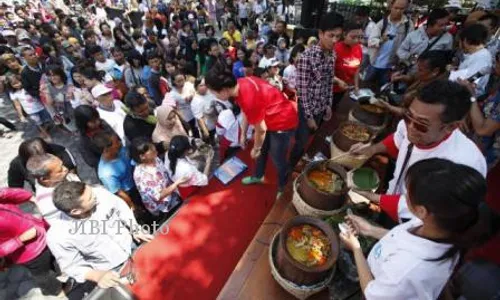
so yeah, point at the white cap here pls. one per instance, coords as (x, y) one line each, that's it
(453, 4)
(100, 90)
(8, 32)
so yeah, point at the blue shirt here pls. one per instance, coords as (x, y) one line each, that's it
(238, 69)
(116, 174)
(385, 51)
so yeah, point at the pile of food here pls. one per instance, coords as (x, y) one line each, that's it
(356, 132)
(373, 108)
(326, 180)
(308, 245)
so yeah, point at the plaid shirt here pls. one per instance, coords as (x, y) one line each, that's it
(314, 81)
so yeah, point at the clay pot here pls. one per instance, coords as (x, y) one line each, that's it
(319, 199)
(360, 113)
(296, 272)
(345, 143)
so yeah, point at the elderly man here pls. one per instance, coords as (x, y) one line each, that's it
(48, 171)
(94, 237)
(384, 41)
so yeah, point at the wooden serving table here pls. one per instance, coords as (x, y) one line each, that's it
(251, 278)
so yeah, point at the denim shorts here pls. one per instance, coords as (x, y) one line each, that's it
(40, 117)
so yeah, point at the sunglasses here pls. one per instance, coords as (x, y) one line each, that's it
(419, 126)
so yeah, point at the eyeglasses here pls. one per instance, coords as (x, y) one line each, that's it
(419, 126)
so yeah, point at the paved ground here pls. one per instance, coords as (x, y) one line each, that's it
(16, 283)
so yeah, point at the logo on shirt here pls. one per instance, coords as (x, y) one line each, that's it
(351, 62)
(377, 250)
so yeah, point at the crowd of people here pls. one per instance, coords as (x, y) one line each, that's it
(157, 103)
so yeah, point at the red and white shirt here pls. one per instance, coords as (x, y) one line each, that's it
(456, 147)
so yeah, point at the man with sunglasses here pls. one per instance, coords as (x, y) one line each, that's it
(94, 237)
(429, 129)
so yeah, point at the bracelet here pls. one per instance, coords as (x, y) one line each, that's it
(473, 99)
(257, 149)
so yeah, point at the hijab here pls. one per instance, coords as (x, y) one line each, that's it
(162, 133)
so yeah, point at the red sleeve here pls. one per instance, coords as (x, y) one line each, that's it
(389, 143)
(389, 205)
(14, 195)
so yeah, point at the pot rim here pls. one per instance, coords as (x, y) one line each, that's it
(362, 106)
(337, 168)
(371, 132)
(321, 225)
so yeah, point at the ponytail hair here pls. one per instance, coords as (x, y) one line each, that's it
(454, 195)
(178, 147)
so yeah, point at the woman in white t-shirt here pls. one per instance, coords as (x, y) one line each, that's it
(182, 94)
(180, 167)
(32, 107)
(414, 260)
(203, 108)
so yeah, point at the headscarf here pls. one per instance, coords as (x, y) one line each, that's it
(161, 132)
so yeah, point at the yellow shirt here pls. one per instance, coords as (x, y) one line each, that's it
(235, 37)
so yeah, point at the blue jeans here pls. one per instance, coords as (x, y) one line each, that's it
(378, 75)
(276, 143)
(302, 135)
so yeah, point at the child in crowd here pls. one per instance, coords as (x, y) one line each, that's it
(32, 107)
(180, 167)
(158, 193)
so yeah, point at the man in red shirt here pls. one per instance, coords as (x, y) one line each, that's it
(273, 116)
(349, 56)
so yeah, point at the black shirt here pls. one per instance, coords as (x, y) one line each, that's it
(30, 79)
(135, 128)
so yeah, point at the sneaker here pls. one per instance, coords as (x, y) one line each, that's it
(252, 180)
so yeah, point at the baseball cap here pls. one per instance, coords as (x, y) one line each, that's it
(23, 36)
(8, 32)
(100, 90)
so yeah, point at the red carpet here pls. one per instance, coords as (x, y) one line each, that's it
(206, 240)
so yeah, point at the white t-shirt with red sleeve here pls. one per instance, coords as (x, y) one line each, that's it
(260, 101)
(456, 147)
